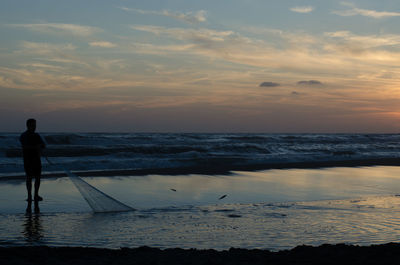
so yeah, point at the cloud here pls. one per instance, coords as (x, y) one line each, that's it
(346, 42)
(354, 11)
(103, 44)
(309, 82)
(202, 40)
(41, 65)
(182, 33)
(320, 56)
(53, 59)
(302, 9)
(269, 84)
(148, 48)
(62, 54)
(201, 82)
(40, 78)
(58, 28)
(323, 54)
(43, 48)
(189, 17)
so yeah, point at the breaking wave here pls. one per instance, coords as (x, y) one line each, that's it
(117, 151)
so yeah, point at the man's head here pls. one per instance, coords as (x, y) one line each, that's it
(31, 125)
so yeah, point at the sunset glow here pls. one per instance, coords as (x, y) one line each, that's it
(201, 66)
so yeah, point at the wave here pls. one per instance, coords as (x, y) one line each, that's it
(118, 151)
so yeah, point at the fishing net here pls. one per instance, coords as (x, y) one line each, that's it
(97, 200)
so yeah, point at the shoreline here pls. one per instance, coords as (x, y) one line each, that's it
(324, 254)
(217, 169)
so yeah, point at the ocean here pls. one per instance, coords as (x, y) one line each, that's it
(160, 151)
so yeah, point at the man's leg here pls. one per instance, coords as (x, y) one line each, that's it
(29, 187)
(38, 173)
(37, 186)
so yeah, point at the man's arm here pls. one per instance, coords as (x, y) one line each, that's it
(42, 144)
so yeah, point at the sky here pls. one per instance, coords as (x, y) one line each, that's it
(273, 66)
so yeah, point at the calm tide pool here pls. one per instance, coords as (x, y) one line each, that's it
(275, 209)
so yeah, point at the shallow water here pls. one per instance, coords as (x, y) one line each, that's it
(276, 209)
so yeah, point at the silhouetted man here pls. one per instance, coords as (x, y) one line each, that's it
(32, 144)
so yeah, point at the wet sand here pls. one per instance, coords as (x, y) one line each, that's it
(325, 254)
(274, 209)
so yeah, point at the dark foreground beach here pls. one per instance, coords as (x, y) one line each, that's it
(325, 254)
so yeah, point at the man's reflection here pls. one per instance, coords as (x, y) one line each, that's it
(33, 230)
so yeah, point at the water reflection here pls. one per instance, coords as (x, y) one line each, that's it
(33, 229)
(276, 209)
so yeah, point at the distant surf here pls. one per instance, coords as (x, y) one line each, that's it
(185, 153)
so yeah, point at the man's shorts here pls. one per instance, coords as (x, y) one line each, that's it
(33, 169)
